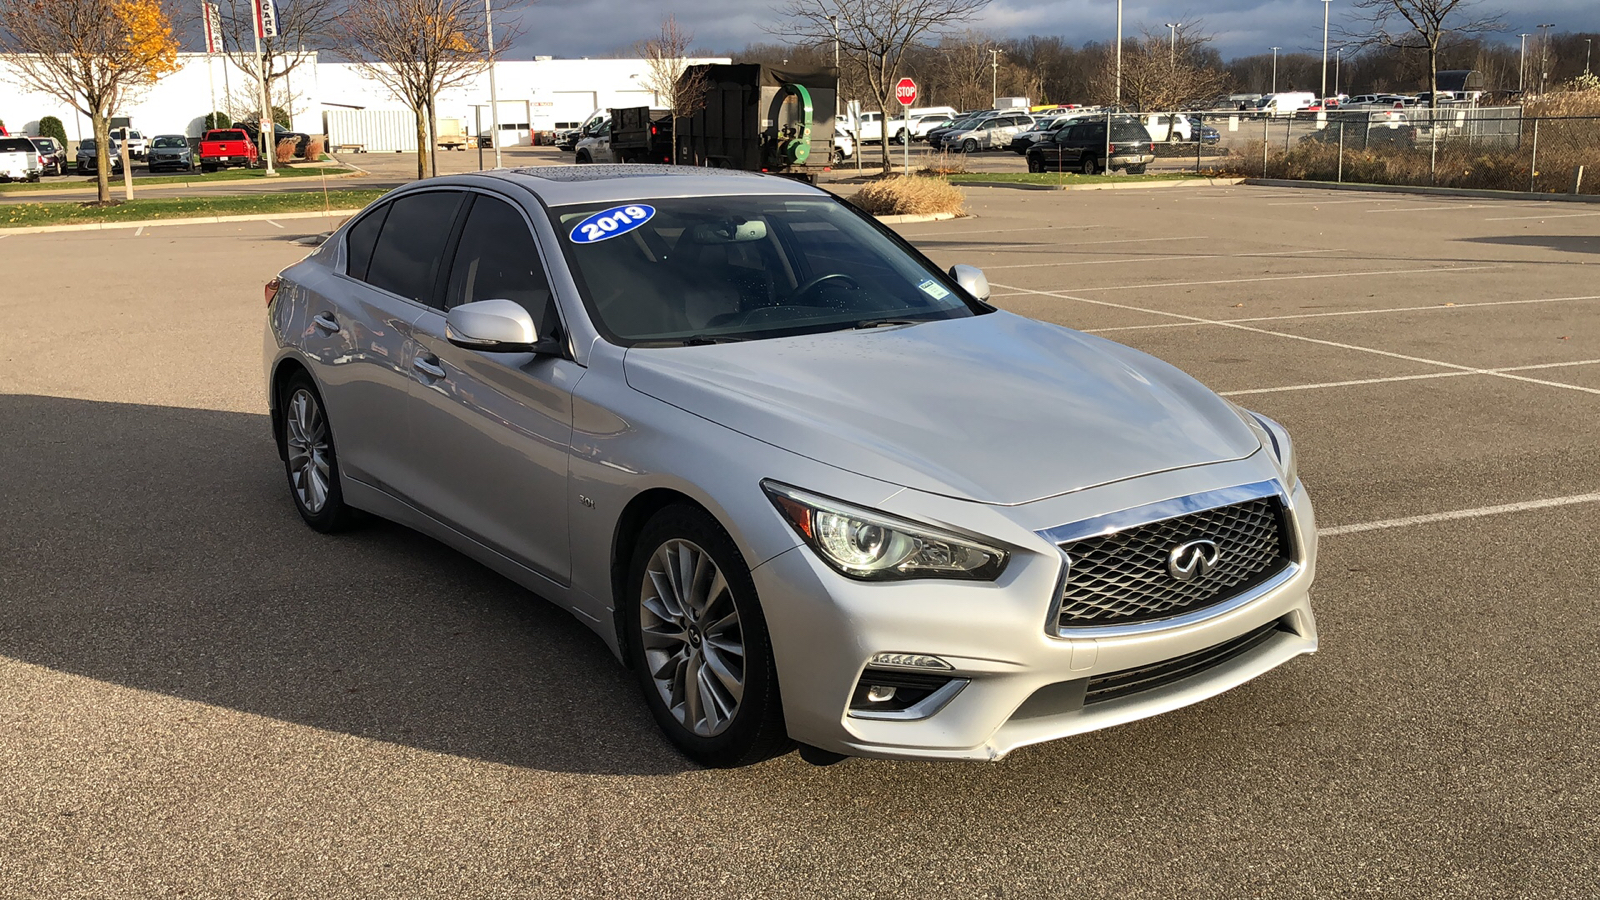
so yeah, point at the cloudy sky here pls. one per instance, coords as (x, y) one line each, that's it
(1241, 27)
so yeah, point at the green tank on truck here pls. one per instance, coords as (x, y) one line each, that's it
(760, 119)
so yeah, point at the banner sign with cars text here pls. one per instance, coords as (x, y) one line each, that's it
(213, 23)
(266, 17)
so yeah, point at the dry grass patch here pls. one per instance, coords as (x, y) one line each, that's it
(917, 195)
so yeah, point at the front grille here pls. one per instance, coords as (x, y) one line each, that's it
(1145, 678)
(1123, 577)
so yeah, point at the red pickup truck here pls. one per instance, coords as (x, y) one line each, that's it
(225, 147)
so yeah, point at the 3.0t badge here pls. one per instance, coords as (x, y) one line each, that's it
(1192, 559)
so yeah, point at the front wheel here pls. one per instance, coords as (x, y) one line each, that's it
(1035, 164)
(969, 146)
(697, 641)
(310, 459)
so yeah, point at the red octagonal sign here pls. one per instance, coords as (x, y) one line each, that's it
(906, 91)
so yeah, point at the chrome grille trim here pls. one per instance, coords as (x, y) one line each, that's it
(1285, 569)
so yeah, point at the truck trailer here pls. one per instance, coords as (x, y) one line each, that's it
(761, 119)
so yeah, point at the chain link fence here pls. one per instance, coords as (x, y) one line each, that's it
(1496, 148)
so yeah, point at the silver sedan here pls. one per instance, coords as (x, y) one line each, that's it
(810, 488)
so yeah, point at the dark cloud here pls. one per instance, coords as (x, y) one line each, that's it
(571, 28)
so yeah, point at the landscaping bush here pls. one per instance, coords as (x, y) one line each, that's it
(286, 148)
(218, 120)
(51, 127)
(913, 196)
(316, 147)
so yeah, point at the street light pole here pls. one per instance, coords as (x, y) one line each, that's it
(1522, 63)
(834, 21)
(1588, 45)
(1119, 53)
(1325, 5)
(1544, 53)
(494, 94)
(1337, 52)
(1172, 44)
(1275, 69)
(994, 77)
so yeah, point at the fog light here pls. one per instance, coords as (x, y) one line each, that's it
(880, 693)
(889, 694)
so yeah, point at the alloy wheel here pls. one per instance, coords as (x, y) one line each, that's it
(310, 451)
(693, 642)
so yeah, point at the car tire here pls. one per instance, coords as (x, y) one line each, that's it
(583, 159)
(1035, 164)
(206, 168)
(1090, 166)
(684, 657)
(969, 146)
(309, 458)
(1134, 170)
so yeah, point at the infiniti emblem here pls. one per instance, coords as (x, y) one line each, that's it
(1192, 559)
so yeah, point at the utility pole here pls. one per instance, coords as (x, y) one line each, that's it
(1172, 44)
(1544, 54)
(1324, 94)
(267, 124)
(1522, 63)
(834, 21)
(1275, 69)
(1588, 45)
(494, 95)
(1119, 53)
(1337, 52)
(994, 77)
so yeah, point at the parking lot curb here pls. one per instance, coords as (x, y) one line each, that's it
(356, 172)
(1480, 193)
(906, 219)
(196, 220)
(1103, 186)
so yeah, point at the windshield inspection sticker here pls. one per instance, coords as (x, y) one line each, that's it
(933, 289)
(608, 223)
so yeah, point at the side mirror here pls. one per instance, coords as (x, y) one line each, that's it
(497, 326)
(972, 280)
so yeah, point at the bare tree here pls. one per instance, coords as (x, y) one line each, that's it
(679, 90)
(962, 65)
(1162, 73)
(304, 27)
(417, 48)
(94, 55)
(874, 35)
(1418, 26)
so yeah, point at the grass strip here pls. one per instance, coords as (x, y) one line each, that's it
(196, 178)
(1062, 177)
(22, 215)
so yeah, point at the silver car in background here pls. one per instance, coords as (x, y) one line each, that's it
(809, 487)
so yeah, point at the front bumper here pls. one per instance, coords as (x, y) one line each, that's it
(825, 629)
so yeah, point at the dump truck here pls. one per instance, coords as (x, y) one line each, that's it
(760, 119)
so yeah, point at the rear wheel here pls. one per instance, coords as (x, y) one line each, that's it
(698, 642)
(310, 460)
(1090, 166)
(1035, 163)
(1135, 170)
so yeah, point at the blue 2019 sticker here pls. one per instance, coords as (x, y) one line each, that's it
(608, 223)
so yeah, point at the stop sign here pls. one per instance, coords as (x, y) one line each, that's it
(906, 91)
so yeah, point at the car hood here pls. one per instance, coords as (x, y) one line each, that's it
(995, 409)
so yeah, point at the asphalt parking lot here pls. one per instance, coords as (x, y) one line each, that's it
(201, 697)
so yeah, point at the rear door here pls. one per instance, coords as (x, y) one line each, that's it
(364, 326)
(494, 428)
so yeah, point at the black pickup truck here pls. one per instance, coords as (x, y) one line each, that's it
(634, 134)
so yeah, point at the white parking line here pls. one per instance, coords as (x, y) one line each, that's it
(1292, 252)
(1427, 208)
(1428, 375)
(1346, 312)
(1332, 202)
(1126, 261)
(1163, 284)
(139, 232)
(273, 224)
(1319, 341)
(997, 231)
(1477, 513)
(1524, 218)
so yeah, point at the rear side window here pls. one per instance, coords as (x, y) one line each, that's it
(359, 241)
(1129, 131)
(406, 258)
(16, 145)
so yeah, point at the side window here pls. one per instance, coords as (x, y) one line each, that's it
(407, 257)
(497, 259)
(359, 241)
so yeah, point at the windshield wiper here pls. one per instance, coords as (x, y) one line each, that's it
(882, 323)
(702, 340)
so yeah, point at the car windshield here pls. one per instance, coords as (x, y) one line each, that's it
(170, 143)
(712, 269)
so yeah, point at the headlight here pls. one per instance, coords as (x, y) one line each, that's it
(1275, 438)
(872, 545)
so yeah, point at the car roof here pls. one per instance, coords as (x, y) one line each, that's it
(621, 183)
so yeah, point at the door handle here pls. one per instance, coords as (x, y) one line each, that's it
(326, 322)
(430, 369)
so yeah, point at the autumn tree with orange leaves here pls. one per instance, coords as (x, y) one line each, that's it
(417, 48)
(92, 54)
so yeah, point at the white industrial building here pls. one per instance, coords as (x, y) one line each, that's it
(535, 95)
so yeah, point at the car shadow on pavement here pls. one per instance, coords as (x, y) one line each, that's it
(1566, 243)
(157, 548)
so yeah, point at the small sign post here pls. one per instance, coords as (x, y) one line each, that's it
(905, 90)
